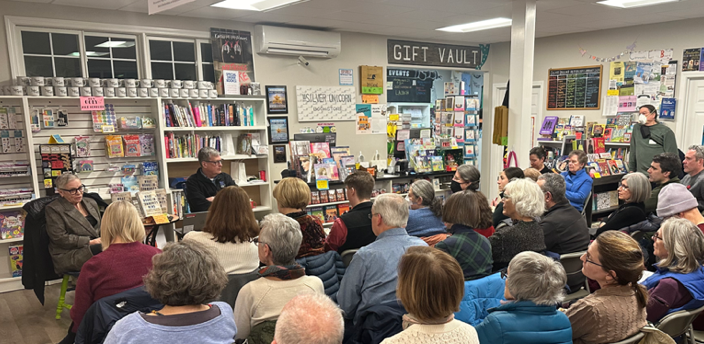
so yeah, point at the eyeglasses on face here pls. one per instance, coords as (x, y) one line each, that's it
(505, 197)
(216, 162)
(371, 215)
(622, 186)
(588, 259)
(257, 242)
(75, 191)
(504, 273)
(656, 236)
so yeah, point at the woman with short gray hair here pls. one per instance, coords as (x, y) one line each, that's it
(466, 177)
(260, 302)
(534, 285)
(425, 216)
(677, 283)
(633, 189)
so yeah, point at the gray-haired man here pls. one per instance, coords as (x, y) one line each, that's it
(202, 186)
(693, 164)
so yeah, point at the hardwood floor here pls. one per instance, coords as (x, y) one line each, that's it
(23, 320)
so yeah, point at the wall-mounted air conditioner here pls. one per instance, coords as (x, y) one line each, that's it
(298, 42)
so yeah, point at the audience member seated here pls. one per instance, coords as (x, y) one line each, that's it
(674, 200)
(465, 211)
(425, 216)
(202, 186)
(531, 173)
(310, 319)
(534, 285)
(262, 300)
(228, 232)
(678, 283)
(523, 202)
(564, 230)
(121, 266)
(578, 183)
(664, 170)
(430, 287)
(466, 177)
(693, 165)
(617, 310)
(537, 160)
(371, 277)
(185, 278)
(505, 177)
(292, 197)
(633, 189)
(353, 229)
(73, 225)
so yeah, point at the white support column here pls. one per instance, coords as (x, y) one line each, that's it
(521, 79)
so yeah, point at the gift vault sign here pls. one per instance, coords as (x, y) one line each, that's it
(432, 54)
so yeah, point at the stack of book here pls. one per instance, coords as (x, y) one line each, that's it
(208, 115)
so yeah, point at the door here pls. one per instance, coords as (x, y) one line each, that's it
(694, 115)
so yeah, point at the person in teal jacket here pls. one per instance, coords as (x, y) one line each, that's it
(534, 285)
(578, 183)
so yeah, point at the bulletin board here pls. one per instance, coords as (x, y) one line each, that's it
(576, 88)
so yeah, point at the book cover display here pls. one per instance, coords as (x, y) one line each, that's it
(11, 225)
(232, 51)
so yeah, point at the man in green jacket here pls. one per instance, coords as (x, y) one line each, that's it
(663, 170)
(649, 138)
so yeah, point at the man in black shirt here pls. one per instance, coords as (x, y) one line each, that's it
(202, 186)
(537, 160)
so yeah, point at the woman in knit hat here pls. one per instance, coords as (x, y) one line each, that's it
(676, 200)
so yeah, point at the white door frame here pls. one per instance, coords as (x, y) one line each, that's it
(681, 119)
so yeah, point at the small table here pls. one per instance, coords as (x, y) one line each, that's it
(150, 239)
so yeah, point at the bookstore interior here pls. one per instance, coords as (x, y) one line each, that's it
(127, 104)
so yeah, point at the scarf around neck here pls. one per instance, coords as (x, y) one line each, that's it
(288, 272)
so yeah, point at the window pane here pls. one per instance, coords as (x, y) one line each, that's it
(185, 71)
(64, 44)
(38, 66)
(92, 41)
(208, 73)
(162, 71)
(125, 69)
(160, 50)
(99, 68)
(184, 52)
(206, 52)
(35, 43)
(127, 50)
(68, 67)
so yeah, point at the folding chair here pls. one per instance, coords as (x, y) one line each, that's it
(347, 256)
(633, 339)
(573, 269)
(679, 323)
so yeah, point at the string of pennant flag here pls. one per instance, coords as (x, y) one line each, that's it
(629, 49)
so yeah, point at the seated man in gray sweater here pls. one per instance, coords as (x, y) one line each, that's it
(694, 179)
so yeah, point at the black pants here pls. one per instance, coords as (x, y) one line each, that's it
(70, 337)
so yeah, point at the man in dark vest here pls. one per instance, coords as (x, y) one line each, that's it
(202, 186)
(354, 229)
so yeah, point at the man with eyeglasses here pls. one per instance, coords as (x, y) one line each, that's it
(693, 164)
(202, 186)
(649, 139)
(674, 200)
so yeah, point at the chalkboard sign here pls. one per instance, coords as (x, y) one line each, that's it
(409, 86)
(574, 88)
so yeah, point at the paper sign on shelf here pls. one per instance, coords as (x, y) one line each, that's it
(161, 219)
(92, 103)
(322, 184)
(394, 117)
(370, 99)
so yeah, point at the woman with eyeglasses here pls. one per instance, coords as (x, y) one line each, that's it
(578, 183)
(229, 230)
(634, 190)
(534, 285)
(73, 226)
(505, 177)
(678, 282)
(617, 310)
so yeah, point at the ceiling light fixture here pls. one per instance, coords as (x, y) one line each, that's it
(255, 5)
(110, 44)
(478, 26)
(633, 3)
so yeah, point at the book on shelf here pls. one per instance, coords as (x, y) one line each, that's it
(11, 224)
(149, 203)
(343, 208)
(16, 259)
(208, 115)
(331, 213)
(188, 145)
(318, 213)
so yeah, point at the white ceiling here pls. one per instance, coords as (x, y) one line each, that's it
(418, 19)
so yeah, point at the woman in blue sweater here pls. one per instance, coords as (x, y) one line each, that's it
(425, 216)
(578, 183)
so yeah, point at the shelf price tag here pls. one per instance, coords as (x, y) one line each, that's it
(92, 103)
(322, 184)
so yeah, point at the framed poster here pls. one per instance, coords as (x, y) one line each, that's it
(276, 101)
(279, 154)
(231, 51)
(278, 129)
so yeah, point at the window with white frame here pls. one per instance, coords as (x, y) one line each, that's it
(51, 53)
(206, 58)
(173, 59)
(111, 56)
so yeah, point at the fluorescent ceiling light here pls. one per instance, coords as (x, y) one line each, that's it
(633, 3)
(115, 44)
(89, 53)
(478, 26)
(255, 5)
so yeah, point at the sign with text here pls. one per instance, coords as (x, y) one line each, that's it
(92, 103)
(325, 103)
(577, 88)
(432, 54)
(156, 6)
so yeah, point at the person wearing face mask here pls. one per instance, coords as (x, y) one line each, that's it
(504, 178)
(649, 139)
(425, 215)
(466, 177)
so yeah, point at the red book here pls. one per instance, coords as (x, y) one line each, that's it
(343, 208)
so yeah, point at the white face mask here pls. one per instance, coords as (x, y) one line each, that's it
(642, 119)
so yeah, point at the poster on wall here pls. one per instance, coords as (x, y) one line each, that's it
(691, 59)
(276, 100)
(325, 103)
(372, 78)
(232, 51)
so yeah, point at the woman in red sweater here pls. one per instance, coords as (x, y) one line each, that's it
(121, 265)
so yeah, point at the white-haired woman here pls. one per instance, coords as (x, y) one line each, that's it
(634, 189)
(534, 285)
(678, 283)
(523, 201)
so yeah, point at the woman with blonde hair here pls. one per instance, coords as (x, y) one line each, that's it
(292, 197)
(617, 310)
(121, 265)
(430, 287)
(229, 229)
(678, 283)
